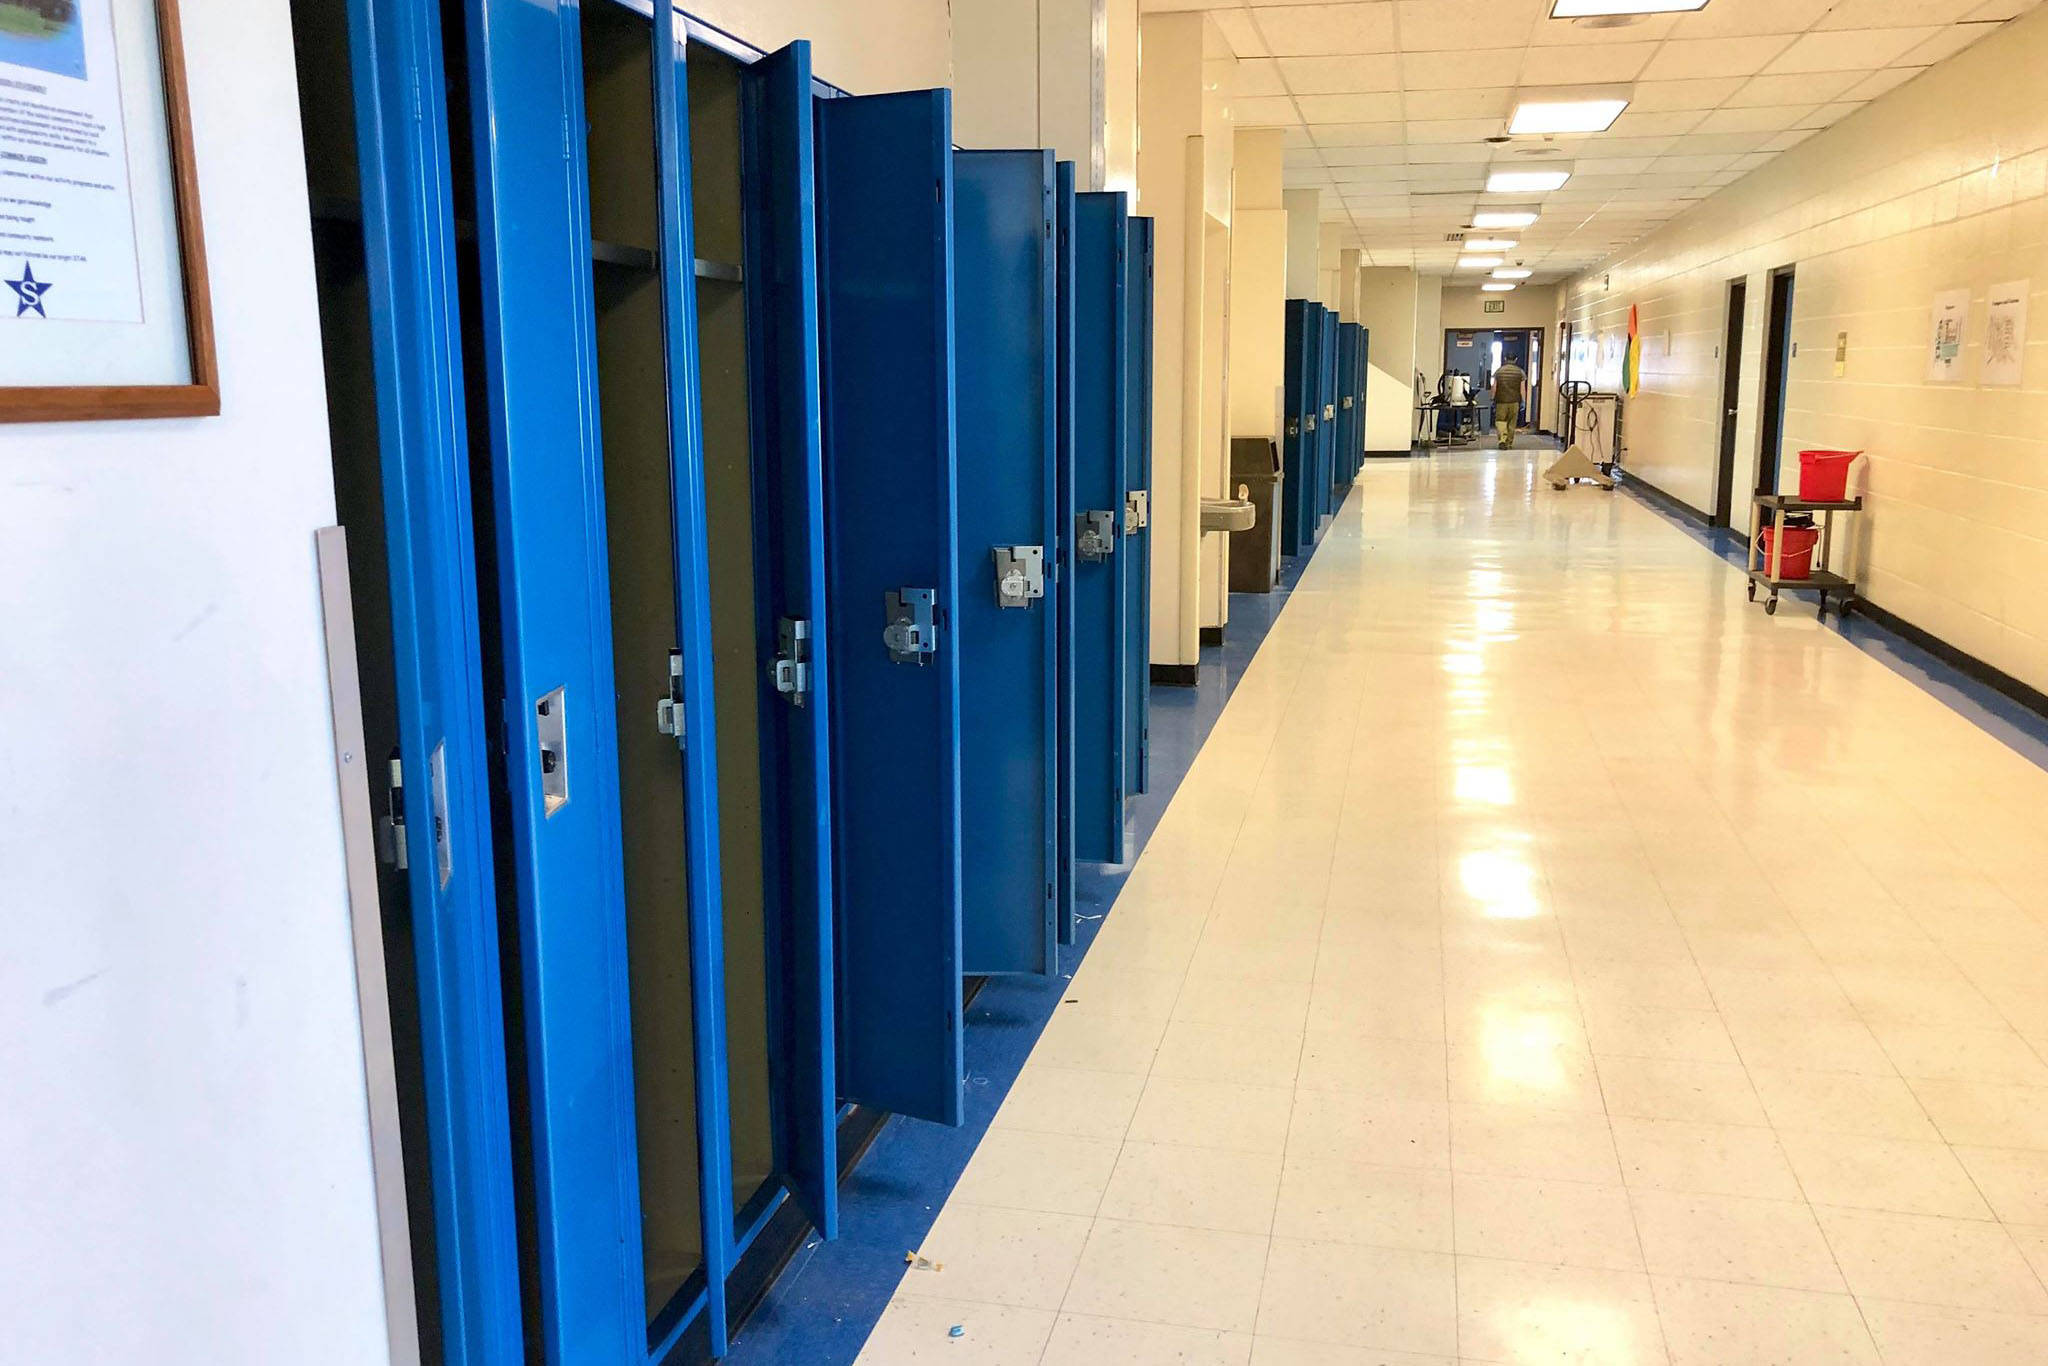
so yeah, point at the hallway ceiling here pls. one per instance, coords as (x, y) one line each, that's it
(1388, 105)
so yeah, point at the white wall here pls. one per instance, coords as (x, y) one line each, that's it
(867, 47)
(1304, 242)
(1388, 297)
(1940, 184)
(1258, 285)
(1464, 307)
(184, 1152)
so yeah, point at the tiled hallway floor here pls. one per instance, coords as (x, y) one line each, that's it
(1548, 959)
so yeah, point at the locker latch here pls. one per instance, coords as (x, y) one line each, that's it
(1137, 510)
(1329, 411)
(391, 825)
(1096, 539)
(668, 712)
(1294, 429)
(791, 670)
(1347, 400)
(1308, 424)
(551, 733)
(1020, 574)
(912, 632)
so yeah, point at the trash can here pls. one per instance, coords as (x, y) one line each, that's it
(1255, 552)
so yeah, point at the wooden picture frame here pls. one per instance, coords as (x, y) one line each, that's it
(200, 395)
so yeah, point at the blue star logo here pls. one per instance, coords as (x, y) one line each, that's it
(28, 292)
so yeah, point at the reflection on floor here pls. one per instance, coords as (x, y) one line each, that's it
(1548, 958)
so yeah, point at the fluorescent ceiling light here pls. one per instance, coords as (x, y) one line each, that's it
(1496, 286)
(1512, 273)
(1478, 262)
(1586, 9)
(1568, 109)
(1490, 244)
(1527, 182)
(1504, 218)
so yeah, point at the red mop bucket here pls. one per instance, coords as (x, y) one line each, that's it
(1799, 544)
(1823, 478)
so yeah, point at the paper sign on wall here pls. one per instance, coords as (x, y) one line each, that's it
(1945, 339)
(2005, 334)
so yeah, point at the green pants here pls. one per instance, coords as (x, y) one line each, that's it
(1504, 418)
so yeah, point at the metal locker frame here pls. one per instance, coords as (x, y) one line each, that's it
(1326, 431)
(1138, 516)
(885, 248)
(1004, 239)
(1101, 428)
(1348, 410)
(1297, 438)
(1063, 535)
(409, 239)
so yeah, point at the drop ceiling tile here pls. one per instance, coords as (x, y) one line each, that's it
(1749, 163)
(1619, 62)
(1829, 114)
(1804, 88)
(1324, 30)
(1451, 25)
(1692, 165)
(1770, 118)
(1848, 50)
(1880, 82)
(1655, 97)
(1608, 145)
(1296, 138)
(1896, 13)
(1440, 153)
(1238, 31)
(1445, 177)
(1668, 124)
(1567, 33)
(1432, 71)
(1724, 144)
(1174, 6)
(1331, 135)
(1451, 130)
(1341, 75)
(2001, 9)
(1479, 103)
(1613, 166)
(1945, 43)
(1382, 107)
(1271, 111)
(1257, 76)
(1686, 58)
(1352, 158)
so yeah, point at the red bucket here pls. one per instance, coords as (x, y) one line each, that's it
(1824, 476)
(1799, 544)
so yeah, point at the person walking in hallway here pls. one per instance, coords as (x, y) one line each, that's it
(1508, 383)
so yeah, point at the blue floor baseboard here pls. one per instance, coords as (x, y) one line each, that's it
(827, 1300)
(2017, 725)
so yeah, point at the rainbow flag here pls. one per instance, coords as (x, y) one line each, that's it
(1632, 360)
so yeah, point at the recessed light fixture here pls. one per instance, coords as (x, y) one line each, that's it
(1478, 262)
(1583, 9)
(1512, 273)
(1568, 109)
(1496, 286)
(1504, 218)
(1490, 244)
(1527, 182)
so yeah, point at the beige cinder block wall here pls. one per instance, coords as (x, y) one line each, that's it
(1938, 185)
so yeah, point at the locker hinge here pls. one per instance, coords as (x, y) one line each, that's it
(1137, 510)
(913, 631)
(391, 848)
(791, 669)
(1020, 574)
(668, 711)
(1095, 538)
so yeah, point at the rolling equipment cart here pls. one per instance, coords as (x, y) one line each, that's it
(1768, 569)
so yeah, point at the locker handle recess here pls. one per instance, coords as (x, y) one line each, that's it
(551, 729)
(1020, 574)
(912, 632)
(1096, 538)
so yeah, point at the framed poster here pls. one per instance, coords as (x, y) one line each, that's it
(104, 311)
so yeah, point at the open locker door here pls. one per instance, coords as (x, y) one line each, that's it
(1007, 389)
(782, 264)
(1101, 431)
(885, 258)
(1298, 438)
(561, 768)
(1138, 515)
(1063, 536)
(1326, 430)
(409, 241)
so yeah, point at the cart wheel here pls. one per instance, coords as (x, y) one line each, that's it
(1842, 610)
(1752, 590)
(1771, 607)
(1559, 487)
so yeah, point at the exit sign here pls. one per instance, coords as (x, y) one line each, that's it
(1493, 305)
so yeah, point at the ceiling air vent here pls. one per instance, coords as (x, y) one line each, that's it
(1454, 237)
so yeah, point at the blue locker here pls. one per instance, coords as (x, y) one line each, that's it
(1063, 535)
(1364, 389)
(561, 770)
(1008, 393)
(1348, 408)
(1298, 433)
(1326, 430)
(1138, 516)
(409, 238)
(1101, 433)
(885, 256)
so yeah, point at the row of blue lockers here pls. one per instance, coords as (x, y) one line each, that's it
(1322, 401)
(762, 508)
